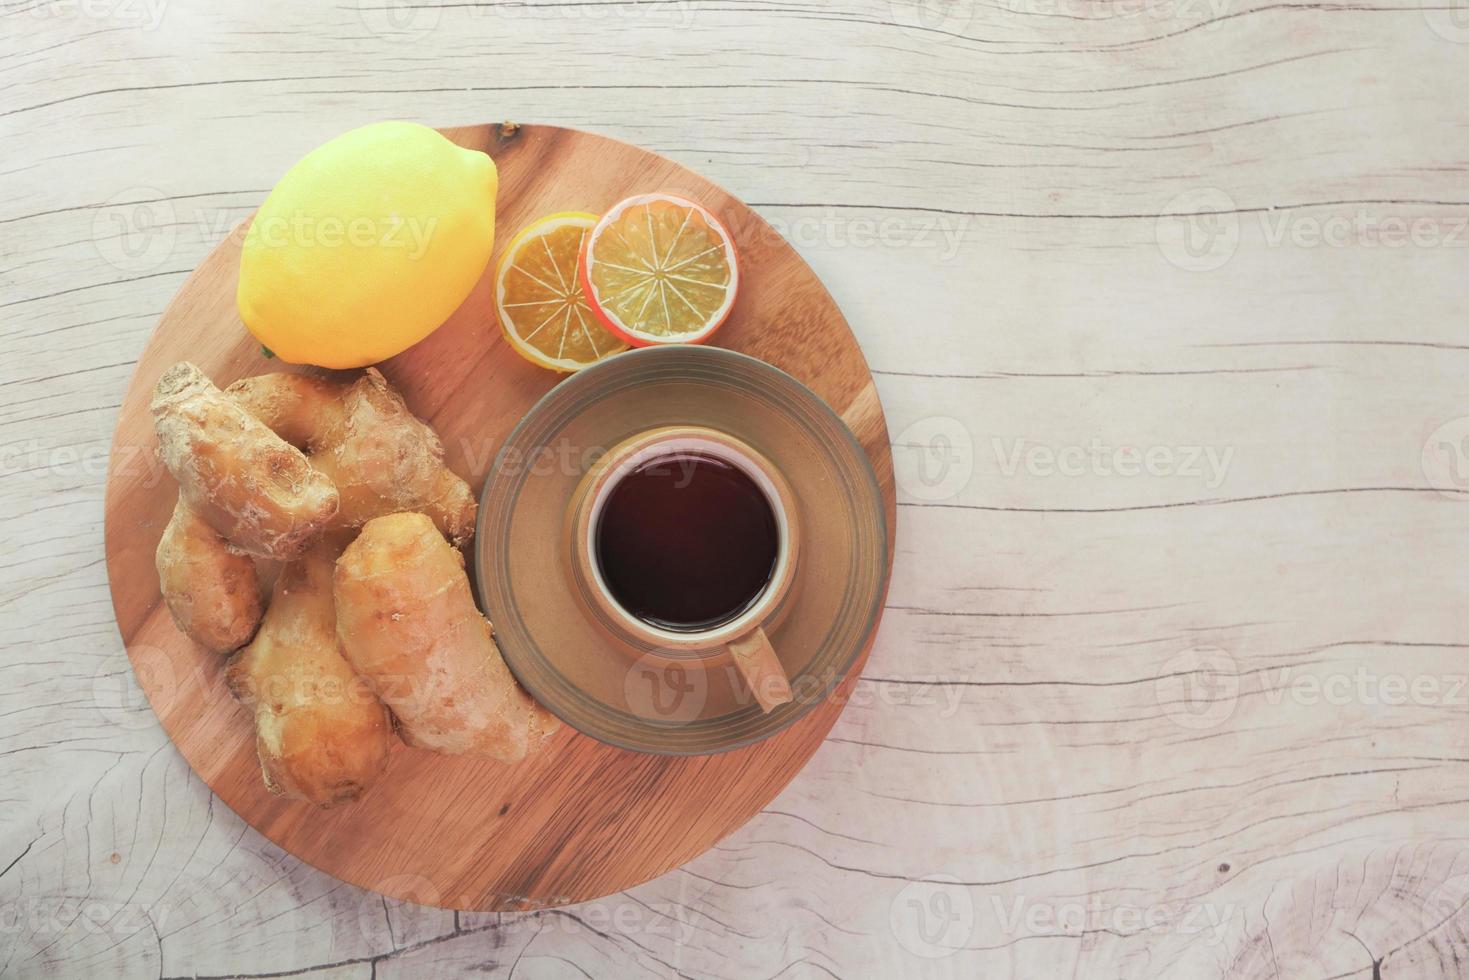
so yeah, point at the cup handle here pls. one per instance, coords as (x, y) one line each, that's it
(757, 663)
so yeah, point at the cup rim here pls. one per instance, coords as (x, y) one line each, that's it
(587, 502)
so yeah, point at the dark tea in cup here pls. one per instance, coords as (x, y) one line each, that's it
(687, 541)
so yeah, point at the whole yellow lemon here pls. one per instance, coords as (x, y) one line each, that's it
(367, 245)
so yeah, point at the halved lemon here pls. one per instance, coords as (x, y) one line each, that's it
(541, 306)
(659, 269)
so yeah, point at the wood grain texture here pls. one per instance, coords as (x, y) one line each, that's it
(983, 187)
(578, 819)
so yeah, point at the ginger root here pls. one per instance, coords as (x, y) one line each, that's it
(321, 734)
(247, 483)
(238, 456)
(242, 491)
(379, 455)
(212, 590)
(288, 467)
(409, 626)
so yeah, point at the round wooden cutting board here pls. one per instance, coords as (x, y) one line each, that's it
(580, 819)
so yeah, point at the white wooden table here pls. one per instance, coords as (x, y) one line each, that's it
(1166, 301)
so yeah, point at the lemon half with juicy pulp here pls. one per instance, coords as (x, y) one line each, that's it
(540, 303)
(367, 245)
